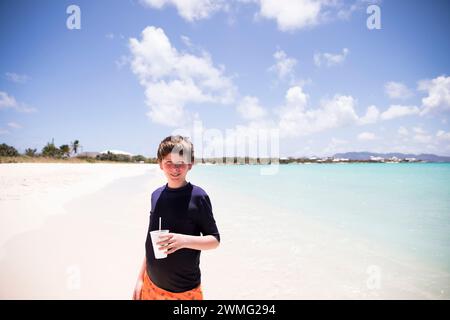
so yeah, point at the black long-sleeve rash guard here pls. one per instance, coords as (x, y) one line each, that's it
(185, 210)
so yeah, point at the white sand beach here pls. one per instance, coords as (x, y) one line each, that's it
(77, 231)
(59, 240)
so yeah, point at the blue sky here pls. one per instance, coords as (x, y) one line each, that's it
(310, 69)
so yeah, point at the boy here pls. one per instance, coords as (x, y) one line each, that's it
(185, 210)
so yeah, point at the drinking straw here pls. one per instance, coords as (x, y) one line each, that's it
(159, 223)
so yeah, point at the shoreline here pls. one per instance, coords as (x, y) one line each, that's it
(252, 161)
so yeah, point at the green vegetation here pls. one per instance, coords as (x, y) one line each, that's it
(30, 152)
(51, 151)
(65, 153)
(124, 158)
(8, 151)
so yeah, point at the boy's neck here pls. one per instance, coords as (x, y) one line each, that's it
(178, 185)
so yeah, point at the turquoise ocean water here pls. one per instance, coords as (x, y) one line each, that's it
(404, 207)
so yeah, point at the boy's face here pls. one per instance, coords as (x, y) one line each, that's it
(175, 169)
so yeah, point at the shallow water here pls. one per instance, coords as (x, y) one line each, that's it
(392, 216)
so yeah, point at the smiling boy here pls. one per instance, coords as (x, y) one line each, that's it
(184, 209)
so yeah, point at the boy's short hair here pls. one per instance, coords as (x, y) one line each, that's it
(179, 145)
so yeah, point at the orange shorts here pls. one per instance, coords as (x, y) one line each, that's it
(151, 292)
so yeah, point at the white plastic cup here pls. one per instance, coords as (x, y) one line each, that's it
(159, 254)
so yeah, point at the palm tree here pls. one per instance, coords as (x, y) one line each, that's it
(74, 146)
(30, 152)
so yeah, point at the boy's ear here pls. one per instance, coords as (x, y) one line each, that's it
(190, 166)
(160, 165)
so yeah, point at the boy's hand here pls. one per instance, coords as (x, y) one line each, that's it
(171, 242)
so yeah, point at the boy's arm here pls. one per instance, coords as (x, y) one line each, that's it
(172, 242)
(201, 242)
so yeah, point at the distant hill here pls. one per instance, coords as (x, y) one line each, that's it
(367, 155)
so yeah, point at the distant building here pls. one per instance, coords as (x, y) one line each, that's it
(374, 158)
(394, 159)
(87, 154)
(117, 152)
(340, 160)
(379, 159)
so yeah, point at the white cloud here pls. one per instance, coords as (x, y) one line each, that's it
(249, 108)
(17, 78)
(173, 79)
(14, 125)
(292, 115)
(419, 130)
(397, 111)
(438, 91)
(421, 135)
(335, 146)
(336, 141)
(7, 101)
(296, 120)
(371, 116)
(292, 14)
(346, 11)
(422, 138)
(330, 59)
(167, 101)
(366, 136)
(190, 10)
(339, 111)
(110, 36)
(443, 136)
(284, 66)
(403, 131)
(295, 97)
(397, 90)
